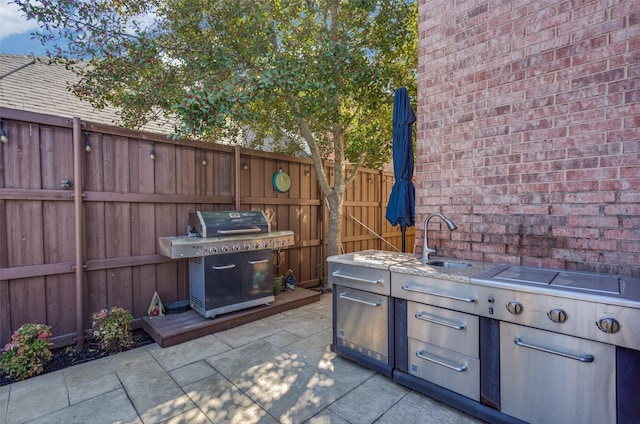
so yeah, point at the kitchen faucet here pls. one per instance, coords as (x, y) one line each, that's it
(425, 245)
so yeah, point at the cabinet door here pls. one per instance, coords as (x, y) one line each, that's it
(257, 281)
(362, 322)
(547, 377)
(222, 281)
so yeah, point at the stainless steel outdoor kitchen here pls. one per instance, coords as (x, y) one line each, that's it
(230, 259)
(505, 343)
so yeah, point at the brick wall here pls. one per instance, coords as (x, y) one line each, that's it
(529, 131)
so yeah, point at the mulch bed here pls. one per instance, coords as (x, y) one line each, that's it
(69, 356)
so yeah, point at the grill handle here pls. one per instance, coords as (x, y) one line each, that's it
(345, 296)
(261, 261)
(358, 279)
(422, 354)
(219, 267)
(251, 230)
(583, 358)
(456, 325)
(422, 290)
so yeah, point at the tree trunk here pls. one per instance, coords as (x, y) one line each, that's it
(334, 245)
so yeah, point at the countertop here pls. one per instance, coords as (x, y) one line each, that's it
(407, 263)
(378, 259)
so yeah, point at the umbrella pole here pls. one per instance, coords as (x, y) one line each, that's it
(403, 230)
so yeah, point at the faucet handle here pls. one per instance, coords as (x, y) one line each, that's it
(430, 250)
(426, 251)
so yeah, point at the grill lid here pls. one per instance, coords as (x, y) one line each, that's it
(227, 223)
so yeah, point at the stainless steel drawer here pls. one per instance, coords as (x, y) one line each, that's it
(454, 295)
(362, 322)
(373, 280)
(449, 329)
(446, 368)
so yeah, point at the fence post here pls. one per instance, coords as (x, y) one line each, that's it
(236, 170)
(79, 219)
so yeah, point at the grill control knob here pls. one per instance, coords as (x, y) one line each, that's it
(246, 246)
(558, 315)
(224, 248)
(235, 247)
(515, 307)
(256, 245)
(608, 325)
(265, 244)
(213, 249)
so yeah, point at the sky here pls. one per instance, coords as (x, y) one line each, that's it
(15, 32)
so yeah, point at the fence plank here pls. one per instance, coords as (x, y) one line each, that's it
(60, 304)
(27, 302)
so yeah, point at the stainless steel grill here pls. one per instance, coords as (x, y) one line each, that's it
(230, 259)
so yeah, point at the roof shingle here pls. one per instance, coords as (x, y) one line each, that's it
(42, 87)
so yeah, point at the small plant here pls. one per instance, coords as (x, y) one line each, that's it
(28, 351)
(112, 328)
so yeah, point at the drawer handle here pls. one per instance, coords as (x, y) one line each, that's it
(345, 296)
(219, 267)
(437, 360)
(584, 358)
(261, 261)
(358, 279)
(421, 290)
(457, 325)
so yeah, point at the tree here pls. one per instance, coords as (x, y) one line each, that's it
(323, 71)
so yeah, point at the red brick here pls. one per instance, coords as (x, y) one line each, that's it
(632, 258)
(489, 248)
(574, 186)
(611, 185)
(542, 177)
(540, 198)
(623, 209)
(626, 136)
(604, 125)
(542, 262)
(571, 232)
(592, 221)
(580, 163)
(623, 234)
(569, 254)
(590, 197)
(530, 251)
(621, 160)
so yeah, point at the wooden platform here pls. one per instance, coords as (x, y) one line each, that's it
(173, 329)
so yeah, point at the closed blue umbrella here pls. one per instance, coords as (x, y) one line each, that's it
(402, 201)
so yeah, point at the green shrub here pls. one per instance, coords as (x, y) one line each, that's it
(112, 328)
(28, 351)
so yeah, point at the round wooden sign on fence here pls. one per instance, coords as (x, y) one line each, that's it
(281, 181)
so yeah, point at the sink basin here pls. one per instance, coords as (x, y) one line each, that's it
(449, 264)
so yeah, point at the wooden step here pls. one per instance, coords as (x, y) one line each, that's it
(173, 329)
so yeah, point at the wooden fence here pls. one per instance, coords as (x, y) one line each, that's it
(82, 206)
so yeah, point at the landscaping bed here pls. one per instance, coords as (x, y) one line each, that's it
(69, 356)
